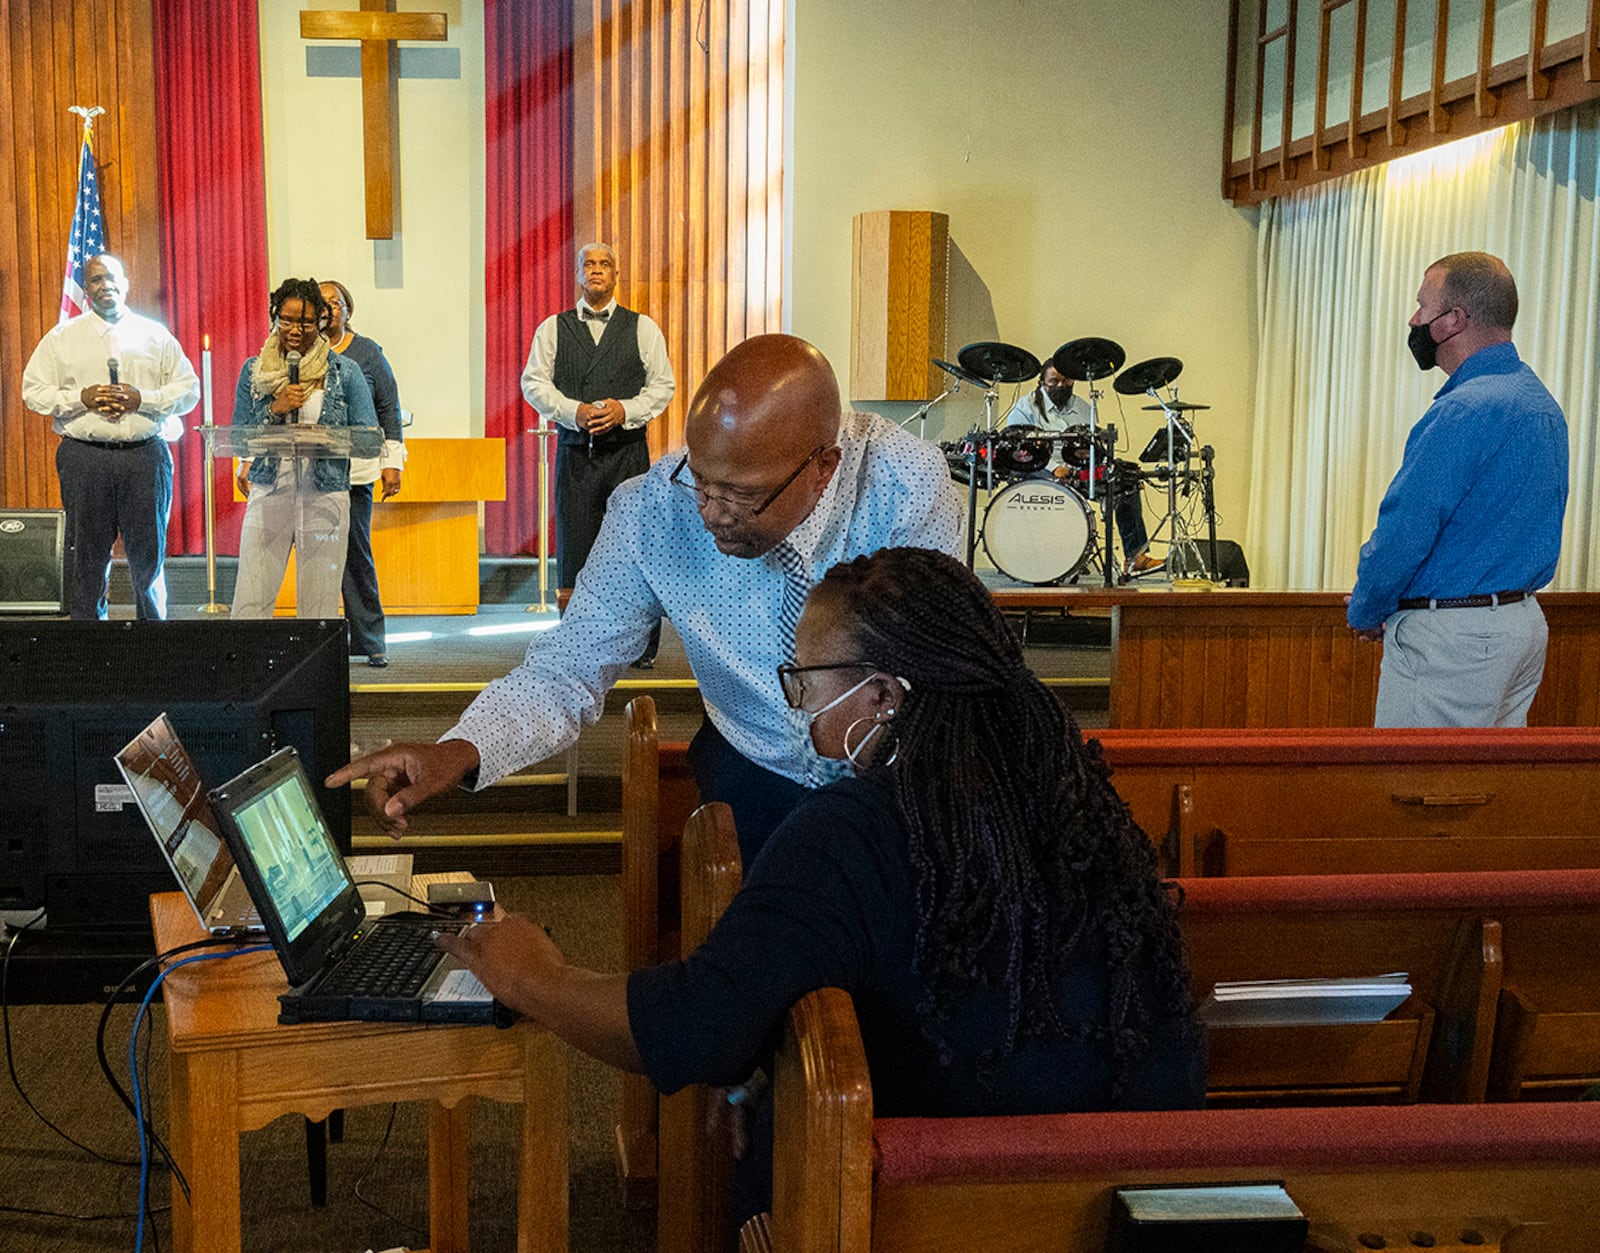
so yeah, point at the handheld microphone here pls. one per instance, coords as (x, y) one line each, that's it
(292, 360)
(112, 366)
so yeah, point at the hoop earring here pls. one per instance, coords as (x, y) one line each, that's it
(853, 754)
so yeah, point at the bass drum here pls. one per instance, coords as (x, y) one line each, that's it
(1037, 531)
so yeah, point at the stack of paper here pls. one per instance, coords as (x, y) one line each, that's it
(1304, 1002)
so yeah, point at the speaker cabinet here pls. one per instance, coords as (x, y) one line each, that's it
(898, 289)
(32, 546)
(1232, 568)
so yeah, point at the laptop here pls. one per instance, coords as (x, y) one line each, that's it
(167, 788)
(341, 966)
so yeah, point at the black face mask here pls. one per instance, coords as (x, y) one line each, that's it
(1420, 341)
(1058, 395)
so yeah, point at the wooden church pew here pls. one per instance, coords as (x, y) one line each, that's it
(1520, 1177)
(695, 1176)
(1359, 800)
(658, 795)
(1547, 1031)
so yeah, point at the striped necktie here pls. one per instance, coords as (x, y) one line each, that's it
(796, 583)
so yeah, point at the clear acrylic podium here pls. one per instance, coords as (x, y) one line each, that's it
(301, 443)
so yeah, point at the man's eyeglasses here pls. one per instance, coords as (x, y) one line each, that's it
(792, 678)
(683, 476)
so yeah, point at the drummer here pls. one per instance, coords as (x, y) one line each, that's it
(1052, 409)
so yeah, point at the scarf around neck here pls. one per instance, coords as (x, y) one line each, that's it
(272, 372)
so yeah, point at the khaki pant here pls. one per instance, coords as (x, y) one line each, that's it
(286, 514)
(1461, 667)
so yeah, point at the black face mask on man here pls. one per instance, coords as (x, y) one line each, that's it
(1421, 343)
(1059, 395)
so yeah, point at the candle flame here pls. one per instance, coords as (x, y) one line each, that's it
(205, 342)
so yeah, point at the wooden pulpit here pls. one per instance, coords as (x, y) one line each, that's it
(425, 540)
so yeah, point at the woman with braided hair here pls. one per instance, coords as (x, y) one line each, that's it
(294, 503)
(978, 887)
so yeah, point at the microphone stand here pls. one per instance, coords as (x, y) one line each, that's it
(1208, 501)
(990, 398)
(1106, 491)
(1180, 544)
(921, 415)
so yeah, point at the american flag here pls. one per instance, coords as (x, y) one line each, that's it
(88, 227)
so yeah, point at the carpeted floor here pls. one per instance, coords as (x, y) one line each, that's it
(53, 1049)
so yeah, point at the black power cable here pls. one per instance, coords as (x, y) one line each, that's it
(132, 977)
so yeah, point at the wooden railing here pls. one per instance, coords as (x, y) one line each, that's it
(1265, 34)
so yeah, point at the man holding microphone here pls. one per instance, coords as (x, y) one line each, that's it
(115, 386)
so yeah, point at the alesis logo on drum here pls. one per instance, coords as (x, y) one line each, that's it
(1052, 500)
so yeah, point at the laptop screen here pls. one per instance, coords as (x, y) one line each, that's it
(297, 861)
(166, 785)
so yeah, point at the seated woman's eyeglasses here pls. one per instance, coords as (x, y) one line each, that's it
(793, 678)
(683, 476)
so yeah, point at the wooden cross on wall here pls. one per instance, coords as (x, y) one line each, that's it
(377, 26)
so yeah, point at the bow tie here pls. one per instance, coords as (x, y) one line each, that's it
(589, 315)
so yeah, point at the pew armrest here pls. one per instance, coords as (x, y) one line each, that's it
(694, 1210)
(822, 1109)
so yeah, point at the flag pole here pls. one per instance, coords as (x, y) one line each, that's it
(85, 236)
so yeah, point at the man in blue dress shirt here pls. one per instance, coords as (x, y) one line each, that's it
(1470, 527)
(724, 538)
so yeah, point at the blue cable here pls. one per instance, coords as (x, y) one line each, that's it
(133, 1070)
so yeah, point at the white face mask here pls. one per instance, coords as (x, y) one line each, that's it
(845, 695)
(820, 770)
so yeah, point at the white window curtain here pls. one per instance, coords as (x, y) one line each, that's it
(1338, 267)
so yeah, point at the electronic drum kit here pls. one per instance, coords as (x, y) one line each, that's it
(1041, 529)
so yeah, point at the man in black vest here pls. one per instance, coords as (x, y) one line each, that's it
(600, 372)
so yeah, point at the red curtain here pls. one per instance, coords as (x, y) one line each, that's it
(213, 226)
(528, 233)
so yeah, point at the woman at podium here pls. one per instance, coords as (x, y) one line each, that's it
(296, 499)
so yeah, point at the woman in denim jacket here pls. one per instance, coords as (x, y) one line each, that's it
(304, 507)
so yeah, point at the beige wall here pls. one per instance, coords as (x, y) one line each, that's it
(419, 295)
(1076, 146)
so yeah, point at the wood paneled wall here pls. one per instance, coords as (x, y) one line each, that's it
(1287, 659)
(1246, 658)
(56, 53)
(688, 171)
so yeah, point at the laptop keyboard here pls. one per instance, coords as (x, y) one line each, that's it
(392, 961)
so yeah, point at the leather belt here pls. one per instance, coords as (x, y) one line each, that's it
(113, 443)
(1464, 602)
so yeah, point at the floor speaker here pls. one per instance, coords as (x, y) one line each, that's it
(1232, 568)
(31, 552)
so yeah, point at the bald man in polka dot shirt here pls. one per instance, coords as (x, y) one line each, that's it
(775, 487)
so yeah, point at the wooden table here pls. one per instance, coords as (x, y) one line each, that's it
(234, 1068)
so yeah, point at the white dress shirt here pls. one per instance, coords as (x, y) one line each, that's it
(73, 355)
(538, 376)
(654, 558)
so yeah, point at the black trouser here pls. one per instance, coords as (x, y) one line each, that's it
(109, 491)
(760, 798)
(585, 480)
(362, 608)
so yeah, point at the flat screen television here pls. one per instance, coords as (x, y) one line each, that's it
(73, 693)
